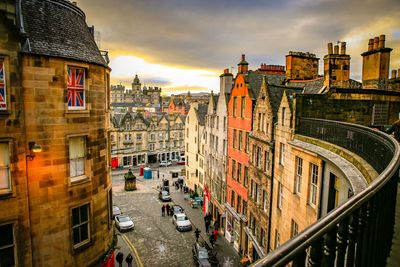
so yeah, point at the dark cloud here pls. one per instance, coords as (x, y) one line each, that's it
(213, 34)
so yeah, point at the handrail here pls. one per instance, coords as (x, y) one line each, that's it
(358, 212)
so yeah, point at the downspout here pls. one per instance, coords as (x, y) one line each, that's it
(272, 189)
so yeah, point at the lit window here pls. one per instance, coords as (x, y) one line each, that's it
(313, 183)
(3, 93)
(77, 148)
(5, 179)
(7, 245)
(76, 88)
(80, 225)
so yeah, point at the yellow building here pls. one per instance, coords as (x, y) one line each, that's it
(56, 204)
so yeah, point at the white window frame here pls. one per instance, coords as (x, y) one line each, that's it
(80, 176)
(282, 154)
(6, 168)
(280, 195)
(298, 176)
(73, 108)
(313, 184)
(81, 223)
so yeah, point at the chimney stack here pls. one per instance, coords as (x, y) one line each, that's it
(226, 71)
(376, 43)
(330, 49)
(343, 48)
(336, 49)
(75, 3)
(243, 57)
(394, 74)
(370, 44)
(382, 41)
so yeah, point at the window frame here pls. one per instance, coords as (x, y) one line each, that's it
(9, 189)
(84, 176)
(242, 106)
(4, 106)
(298, 175)
(313, 191)
(280, 196)
(282, 154)
(88, 222)
(240, 140)
(14, 244)
(85, 88)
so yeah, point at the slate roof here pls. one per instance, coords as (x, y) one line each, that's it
(310, 86)
(276, 93)
(201, 113)
(255, 80)
(58, 28)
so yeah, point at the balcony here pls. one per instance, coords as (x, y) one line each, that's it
(360, 232)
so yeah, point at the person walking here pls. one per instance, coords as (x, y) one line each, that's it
(212, 240)
(207, 225)
(129, 259)
(215, 234)
(167, 207)
(163, 210)
(120, 258)
(197, 234)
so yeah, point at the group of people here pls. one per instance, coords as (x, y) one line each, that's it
(167, 209)
(207, 223)
(120, 259)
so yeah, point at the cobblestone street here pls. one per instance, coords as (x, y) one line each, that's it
(155, 238)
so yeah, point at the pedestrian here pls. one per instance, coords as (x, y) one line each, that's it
(120, 258)
(180, 186)
(215, 233)
(163, 210)
(207, 225)
(168, 209)
(197, 234)
(129, 259)
(171, 212)
(395, 129)
(212, 240)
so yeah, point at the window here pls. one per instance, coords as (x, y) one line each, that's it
(233, 169)
(242, 106)
(259, 122)
(280, 193)
(217, 122)
(299, 171)
(238, 204)
(224, 147)
(247, 142)
(313, 183)
(234, 138)
(239, 172)
(225, 124)
(257, 196)
(244, 208)
(283, 116)
(259, 157)
(77, 149)
(262, 237)
(76, 88)
(232, 199)
(277, 239)
(152, 137)
(266, 161)
(139, 137)
(294, 230)
(263, 122)
(246, 176)
(234, 106)
(5, 179)
(265, 196)
(3, 93)
(240, 140)
(282, 154)
(80, 225)
(7, 245)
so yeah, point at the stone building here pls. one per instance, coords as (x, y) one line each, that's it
(195, 147)
(56, 205)
(216, 148)
(142, 138)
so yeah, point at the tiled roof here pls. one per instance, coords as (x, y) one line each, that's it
(310, 86)
(276, 93)
(255, 80)
(201, 113)
(58, 28)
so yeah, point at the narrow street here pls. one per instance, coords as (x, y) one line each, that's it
(154, 238)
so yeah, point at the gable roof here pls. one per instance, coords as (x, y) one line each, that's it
(254, 79)
(58, 28)
(201, 112)
(276, 93)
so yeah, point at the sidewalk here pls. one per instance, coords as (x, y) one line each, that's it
(123, 247)
(226, 254)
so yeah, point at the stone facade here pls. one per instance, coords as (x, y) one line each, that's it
(142, 138)
(58, 204)
(301, 66)
(337, 67)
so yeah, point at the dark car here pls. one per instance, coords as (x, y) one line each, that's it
(200, 255)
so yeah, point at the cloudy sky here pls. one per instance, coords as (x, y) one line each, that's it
(184, 45)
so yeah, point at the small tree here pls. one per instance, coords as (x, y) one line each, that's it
(130, 181)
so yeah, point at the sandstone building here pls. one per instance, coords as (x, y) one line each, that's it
(56, 205)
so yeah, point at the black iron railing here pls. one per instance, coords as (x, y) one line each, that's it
(358, 233)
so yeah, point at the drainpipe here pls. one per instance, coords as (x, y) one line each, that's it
(272, 189)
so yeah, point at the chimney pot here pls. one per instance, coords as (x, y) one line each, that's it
(376, 43)
(330, 50)
(243, 57)
(336, 49)
(394, 74)
(343, 48)
(382, 41)
(370, 44)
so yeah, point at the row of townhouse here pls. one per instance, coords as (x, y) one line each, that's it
(276, 183)
(55, 185)
(144, 138)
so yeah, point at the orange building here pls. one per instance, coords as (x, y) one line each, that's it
(177, 105)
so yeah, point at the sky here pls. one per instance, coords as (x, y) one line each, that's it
(183, 45)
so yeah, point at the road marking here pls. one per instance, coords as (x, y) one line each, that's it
(137, 258)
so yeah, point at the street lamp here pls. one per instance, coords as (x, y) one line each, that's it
(33, 149)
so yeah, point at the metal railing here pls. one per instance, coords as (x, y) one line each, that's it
(358, 233)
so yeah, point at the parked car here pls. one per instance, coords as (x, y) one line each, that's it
(182, 222)
(165, 163)
(116, 211)
(176, 209)
(124, 222)
(164, 195)
(200, 255)
(182, 161)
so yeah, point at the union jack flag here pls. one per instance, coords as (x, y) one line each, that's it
(76, 88)
(3, 102)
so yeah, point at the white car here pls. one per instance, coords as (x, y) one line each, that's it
(182, 222)
(123, 222)
(165, 163)
(116, 211)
